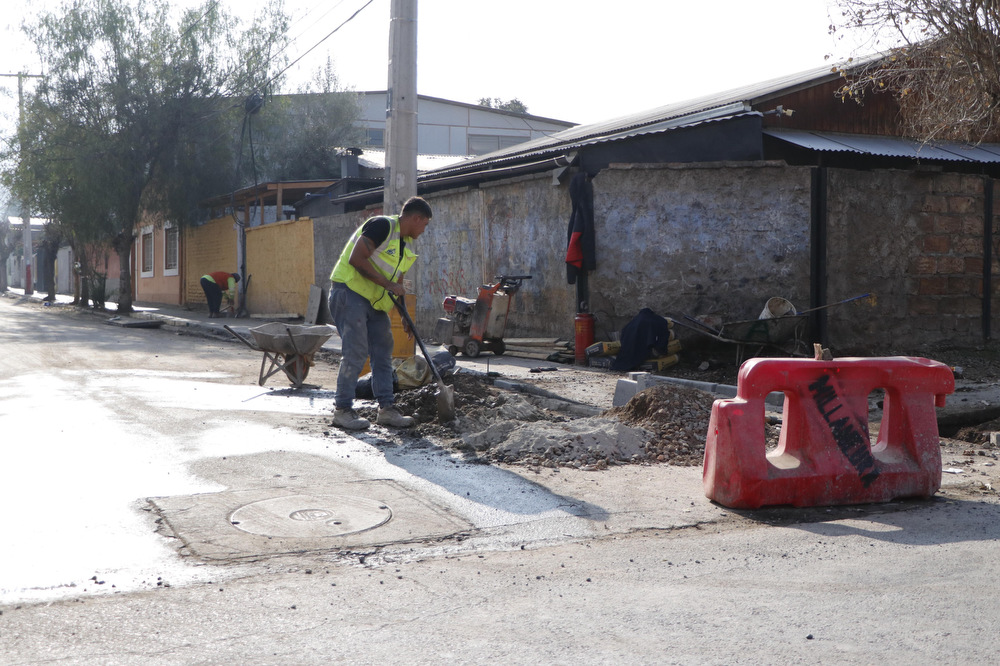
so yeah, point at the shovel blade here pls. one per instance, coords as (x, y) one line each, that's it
(445, 402)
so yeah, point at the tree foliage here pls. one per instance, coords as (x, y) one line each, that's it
(301, 136)
(942, 64)
(6, 249)
(513, 105)
(134, 115)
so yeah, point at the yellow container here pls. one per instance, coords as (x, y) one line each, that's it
(402, 346)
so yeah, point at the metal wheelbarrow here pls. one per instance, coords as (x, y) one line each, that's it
(785, 334)
(288, 348)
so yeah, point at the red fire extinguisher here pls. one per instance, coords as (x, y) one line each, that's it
(584, 336)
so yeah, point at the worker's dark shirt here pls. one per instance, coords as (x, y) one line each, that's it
(377, 229)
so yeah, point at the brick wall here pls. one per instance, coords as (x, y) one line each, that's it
(915, 240)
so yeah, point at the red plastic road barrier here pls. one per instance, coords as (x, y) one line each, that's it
(825, 454)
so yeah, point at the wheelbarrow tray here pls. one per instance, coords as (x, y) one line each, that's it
(763, 331)
(782, 333)
(286, 339)
(288, 348)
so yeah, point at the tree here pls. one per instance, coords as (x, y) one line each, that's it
(133, 117)
(301, 136)
(943, 64)
(6, 249)
(514, 105)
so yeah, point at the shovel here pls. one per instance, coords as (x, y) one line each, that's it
(445, 394)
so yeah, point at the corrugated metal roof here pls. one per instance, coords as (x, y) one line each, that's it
(540, 149)
(670, 116)
(889, 146)
(374, 158)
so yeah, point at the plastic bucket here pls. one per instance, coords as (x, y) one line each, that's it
(777, 307)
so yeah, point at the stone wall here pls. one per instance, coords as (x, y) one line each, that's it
(714, 241)
(719, 239)
(517, 227)
(711, 241)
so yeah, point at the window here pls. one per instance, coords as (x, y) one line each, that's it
(375, 136)
(146, 252)
(480, 144)
(171, 249)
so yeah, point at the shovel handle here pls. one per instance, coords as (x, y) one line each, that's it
(413, 329)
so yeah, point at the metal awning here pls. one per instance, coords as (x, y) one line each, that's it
(889, 146)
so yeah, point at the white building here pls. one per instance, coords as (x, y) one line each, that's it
(445, 127)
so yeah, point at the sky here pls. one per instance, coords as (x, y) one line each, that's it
(581, 61)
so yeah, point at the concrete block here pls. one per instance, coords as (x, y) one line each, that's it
(625, 389)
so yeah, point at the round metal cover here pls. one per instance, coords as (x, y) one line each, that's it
(311, 516)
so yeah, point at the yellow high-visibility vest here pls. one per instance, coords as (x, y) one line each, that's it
(388, 260)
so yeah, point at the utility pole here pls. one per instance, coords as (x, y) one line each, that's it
(401, 114)
(25, 213)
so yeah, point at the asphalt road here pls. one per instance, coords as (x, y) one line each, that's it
(159, 507)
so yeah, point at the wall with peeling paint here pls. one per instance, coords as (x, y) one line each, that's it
(714, 241)
(700, 240)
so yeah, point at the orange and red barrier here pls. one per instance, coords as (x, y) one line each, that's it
(825, 454)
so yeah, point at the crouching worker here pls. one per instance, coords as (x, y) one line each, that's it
(212, 285)
(370, 268)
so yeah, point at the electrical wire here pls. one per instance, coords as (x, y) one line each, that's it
(314, 46)
(305, 29)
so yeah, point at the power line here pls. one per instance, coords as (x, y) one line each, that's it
(314, 46)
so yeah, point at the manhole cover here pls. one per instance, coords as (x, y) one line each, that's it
(311, 516)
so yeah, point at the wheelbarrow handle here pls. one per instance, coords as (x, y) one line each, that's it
(242, 339)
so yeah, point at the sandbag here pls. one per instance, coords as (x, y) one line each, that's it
(412, 372)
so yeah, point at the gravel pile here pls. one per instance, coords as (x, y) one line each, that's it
(663, 424)
(677, 418)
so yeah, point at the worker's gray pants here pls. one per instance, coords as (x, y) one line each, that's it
(365, 334)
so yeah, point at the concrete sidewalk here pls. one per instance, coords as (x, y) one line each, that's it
(196, 320)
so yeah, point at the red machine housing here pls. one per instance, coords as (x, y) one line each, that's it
(474, 326)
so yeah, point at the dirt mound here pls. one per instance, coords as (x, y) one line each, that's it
(676, 416)
(978, 434)
(662, 424)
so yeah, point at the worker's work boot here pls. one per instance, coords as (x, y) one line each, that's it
(390, 416)
(348, 419)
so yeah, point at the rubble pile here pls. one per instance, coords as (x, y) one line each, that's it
(677, 417)
(664, 423)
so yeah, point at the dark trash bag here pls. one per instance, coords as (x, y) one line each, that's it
(646, 336)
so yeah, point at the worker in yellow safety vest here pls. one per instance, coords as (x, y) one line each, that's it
(370, 268)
